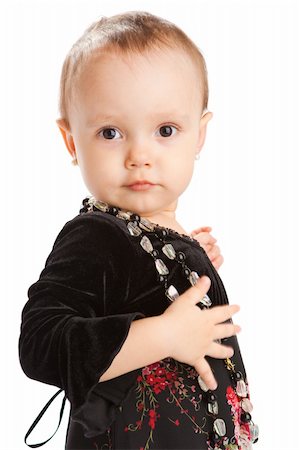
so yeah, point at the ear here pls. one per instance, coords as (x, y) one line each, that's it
(67, 136)
(203, 130)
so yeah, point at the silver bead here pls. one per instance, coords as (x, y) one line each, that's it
(202, 384)
(146, 244)
(169, 251)
(220, 427)
(146, 224)
(161, 268)
(246, 405)
(193, 277)
(133, 229)
(123, 215)
(172, 293)
(241, 388)
(206, 301)
(213, 408)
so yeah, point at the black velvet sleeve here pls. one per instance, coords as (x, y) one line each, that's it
(71, 327)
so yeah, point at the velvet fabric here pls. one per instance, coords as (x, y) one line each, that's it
(97, 279)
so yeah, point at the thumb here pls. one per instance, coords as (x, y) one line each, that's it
(195, 293)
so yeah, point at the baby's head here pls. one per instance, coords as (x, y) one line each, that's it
(133, 102)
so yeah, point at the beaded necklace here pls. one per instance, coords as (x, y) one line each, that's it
(138, 227)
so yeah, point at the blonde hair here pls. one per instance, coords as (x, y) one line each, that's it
(127, 33)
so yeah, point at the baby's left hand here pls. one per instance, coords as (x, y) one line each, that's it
(207, 241)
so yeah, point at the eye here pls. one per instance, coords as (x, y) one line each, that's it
(108, 133)
(166, 130)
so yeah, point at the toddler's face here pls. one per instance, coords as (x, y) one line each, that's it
(137, 119)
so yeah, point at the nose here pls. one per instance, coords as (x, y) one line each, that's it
(138, 155)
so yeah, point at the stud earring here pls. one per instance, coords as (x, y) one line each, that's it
(75, 161)
(197, 156)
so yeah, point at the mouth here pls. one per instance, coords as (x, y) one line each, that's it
(141, 186)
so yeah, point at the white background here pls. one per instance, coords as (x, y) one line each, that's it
(245, 186)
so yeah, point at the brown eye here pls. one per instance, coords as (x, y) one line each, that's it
(108, 133)
(166, 130)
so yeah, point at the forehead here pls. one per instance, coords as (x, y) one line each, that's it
(160, 80)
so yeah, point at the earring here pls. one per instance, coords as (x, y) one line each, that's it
(75, 161)
(197, 156)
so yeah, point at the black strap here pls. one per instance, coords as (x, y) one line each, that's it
(40, 416)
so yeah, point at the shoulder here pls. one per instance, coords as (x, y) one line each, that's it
(95, 233)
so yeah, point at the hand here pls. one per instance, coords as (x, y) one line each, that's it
(193, 332)
(207, 242)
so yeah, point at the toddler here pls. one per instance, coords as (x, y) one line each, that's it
(129, 315)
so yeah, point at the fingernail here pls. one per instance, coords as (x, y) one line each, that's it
(206, 280)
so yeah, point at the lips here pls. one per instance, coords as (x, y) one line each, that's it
(141, 185)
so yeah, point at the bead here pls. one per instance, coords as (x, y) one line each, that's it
(113, 210)
(102, 206)
(202, 384)
(85, 201)
(146, 224)
(172, 293)
(169, 251)
(161, 278)
(155, 253)
(238, 376)
(214, 436)
(254, 432)
(246, 405)
(133, 229)
(219, 427)
(146, 244)
(164, 232)
(135, 217)
(186, 272)
(245, 417)
(161, 268)
(193, 278)
(241, 388)
(181, 256)
(211, 397)
(124, 215)
(213, 408)
(206, 301)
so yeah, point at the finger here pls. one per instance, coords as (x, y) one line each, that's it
(205, 238)
(226, 330)
(204, 371)
(201, 229)
(223, 312)
(218, 262)
(220, 351)
(195, 293)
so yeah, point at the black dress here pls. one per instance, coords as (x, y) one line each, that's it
(98, 279)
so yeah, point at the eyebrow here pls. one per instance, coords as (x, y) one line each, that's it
(110, 118)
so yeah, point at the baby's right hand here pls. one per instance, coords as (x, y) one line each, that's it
(192, 331)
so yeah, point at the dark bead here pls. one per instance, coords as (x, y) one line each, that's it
(161, 278)
(135, 217)
(164, 232)
(245, 417)
(181, 256)
(113, 210)
(186, 271)
(83, 210)
(238, 376)
(94, 208)
(155, 253)
(214, 436)
(85, 201)
(211, 397)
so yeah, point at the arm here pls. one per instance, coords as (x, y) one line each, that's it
(146, 343)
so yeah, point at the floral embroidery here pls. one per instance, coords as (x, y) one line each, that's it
(167, 375)
(242, 430)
